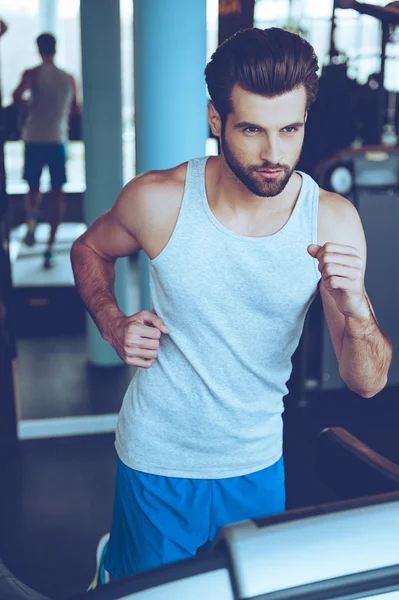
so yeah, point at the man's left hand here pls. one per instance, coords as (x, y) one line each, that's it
(342, 272)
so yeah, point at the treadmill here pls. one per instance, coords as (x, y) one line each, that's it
(345, 550)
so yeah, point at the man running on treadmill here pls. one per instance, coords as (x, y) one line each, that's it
(52, 98)
(239, 245)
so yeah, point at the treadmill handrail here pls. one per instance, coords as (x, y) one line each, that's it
(351, 444)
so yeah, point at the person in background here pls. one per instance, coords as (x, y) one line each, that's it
(45, 132)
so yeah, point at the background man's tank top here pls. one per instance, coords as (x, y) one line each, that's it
(50, 103)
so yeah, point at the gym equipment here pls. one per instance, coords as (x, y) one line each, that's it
(350, 468)
(343, 550)
(332, 122)
(388, 13)
(207, 577)
(346, 549)
(389, 18)
(13, 589)
(346, 112)
(340, 550)
(369, 178)
(46, 301)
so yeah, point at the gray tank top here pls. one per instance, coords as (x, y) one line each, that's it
(50, 103)
(211, 404)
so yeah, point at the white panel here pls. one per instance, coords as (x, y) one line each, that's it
(214, 585)
(66, 426)
(314, 549)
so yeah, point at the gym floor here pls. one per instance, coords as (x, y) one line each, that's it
(56, 494)
(78, 388)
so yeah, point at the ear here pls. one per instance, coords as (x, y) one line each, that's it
(214, 120)
(306, 116)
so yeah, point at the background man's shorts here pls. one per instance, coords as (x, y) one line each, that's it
(159, 519)
(39, 155)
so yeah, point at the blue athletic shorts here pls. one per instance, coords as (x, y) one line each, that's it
(38, 156)
(158, 520)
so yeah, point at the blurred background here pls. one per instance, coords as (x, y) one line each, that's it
(61, 386)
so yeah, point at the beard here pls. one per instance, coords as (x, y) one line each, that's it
(266, 188)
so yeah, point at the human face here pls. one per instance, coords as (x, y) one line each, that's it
(262, 139)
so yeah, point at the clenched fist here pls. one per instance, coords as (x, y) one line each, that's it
(136, 338)
(342, 272)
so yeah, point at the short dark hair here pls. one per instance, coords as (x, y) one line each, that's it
(46, 43)
(269, 62)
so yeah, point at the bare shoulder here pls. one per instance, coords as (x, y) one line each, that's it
(149, 205)
(68, 76)
(29, 73)
(154, 191)
(338, 220)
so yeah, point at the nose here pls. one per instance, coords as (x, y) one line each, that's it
(271, 150)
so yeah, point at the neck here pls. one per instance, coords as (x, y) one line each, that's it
(48, 60)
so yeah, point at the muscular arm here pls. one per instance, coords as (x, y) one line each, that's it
(75, 107)
(366, 353)
(23, 86)
(93, 255)
(363, 350)
(143, 217)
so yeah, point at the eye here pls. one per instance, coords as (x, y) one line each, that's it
(251, 130)
(290, 129)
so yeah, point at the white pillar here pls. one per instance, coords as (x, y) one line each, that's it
(48, 16)
(102, 132)
(170, 92)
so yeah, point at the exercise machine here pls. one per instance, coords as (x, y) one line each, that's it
(341, 550)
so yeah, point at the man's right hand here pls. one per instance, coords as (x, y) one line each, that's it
(136, 338)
